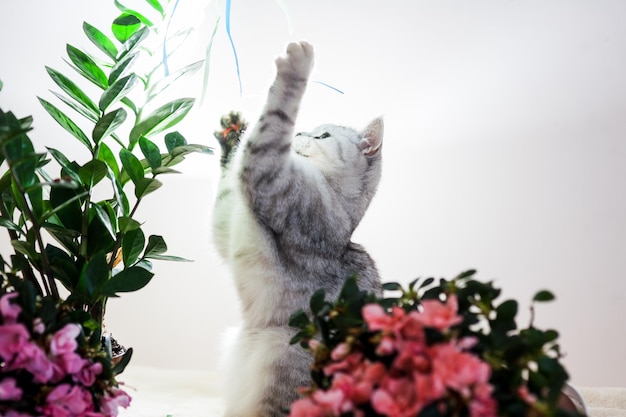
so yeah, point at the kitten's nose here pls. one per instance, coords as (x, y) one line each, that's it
(299, 133)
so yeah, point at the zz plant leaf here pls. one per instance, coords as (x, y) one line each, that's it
(87, 67)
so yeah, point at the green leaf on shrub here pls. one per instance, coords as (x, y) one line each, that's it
(92, 172)
(100, 40)
(193, 148)
(128, 224)
(544, 295)
(145, 186)
(125, 26)
(72, 90)
(162, 118)
(120, 67)
(99, 236)
(107, 124)
(134, 41)
(317, 301)
(157, 6)
(66, 205)
(138, 15)
(392, 286)
(299, 319)
(151, 152)
(9, 224)
(117, 91)
(128, 280)
(66, 123)
(156, 246)
(25, 248)
(121, 199)
(95, 273)
(63, 266)
(173, 140)
(165, 82)
(79, 109)
(133, 243)
(164, 170)
(105, 154)
(87, 67)
(132, 165)
(105, 213)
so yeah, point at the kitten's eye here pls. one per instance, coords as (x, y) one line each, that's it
(324, 135)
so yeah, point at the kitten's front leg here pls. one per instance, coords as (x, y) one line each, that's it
(266, 171)
(283, 101)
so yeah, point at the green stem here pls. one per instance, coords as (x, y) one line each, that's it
(27, 270)
(46, 270)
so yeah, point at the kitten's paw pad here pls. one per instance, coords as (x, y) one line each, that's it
(298, 62)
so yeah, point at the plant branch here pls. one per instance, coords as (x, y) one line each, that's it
(28, 270)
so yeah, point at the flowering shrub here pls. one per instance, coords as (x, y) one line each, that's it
(440, 349)
(51, 363)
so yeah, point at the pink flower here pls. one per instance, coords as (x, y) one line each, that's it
(35, 361)
(313, 344)
(340, 351)
(439, 315)
(66, 401)
(332, 402)
(346, 365)
(70, 363)
(17, 414)
(460, 370)
(64, 341)
(88, 373)
(305, 407)
(9, 391)
(526, 396)
(112, 400)
(376, 317)
(13, 337)
(38, 326)
(8, 310)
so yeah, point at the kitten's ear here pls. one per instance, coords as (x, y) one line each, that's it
(372, 137)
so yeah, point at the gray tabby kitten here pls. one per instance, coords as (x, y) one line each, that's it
(286, 209)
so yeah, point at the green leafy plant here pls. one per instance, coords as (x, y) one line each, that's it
(61, 230)
(437, 348)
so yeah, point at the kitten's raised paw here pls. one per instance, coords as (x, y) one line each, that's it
(298, 61)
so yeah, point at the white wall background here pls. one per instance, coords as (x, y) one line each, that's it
(505, 151)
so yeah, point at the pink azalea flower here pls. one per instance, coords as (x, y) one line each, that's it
(305, 407)
(526, 396)
(376, 317)
(112, 400)
(347, 364)
(340, 351)
(460, 370)
(8, 310)
(396, 397)
(438, 315)
(9, 391)
(38, 326)
(87, 375)
(66, 400)
(64, 340)
(13, 337)
(70, 363)
(17, 414)
(332, 402)
(35, 361)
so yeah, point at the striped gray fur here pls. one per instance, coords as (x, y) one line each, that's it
(283, 220)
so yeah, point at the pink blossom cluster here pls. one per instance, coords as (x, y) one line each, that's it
(52, 367)
(413, 374)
